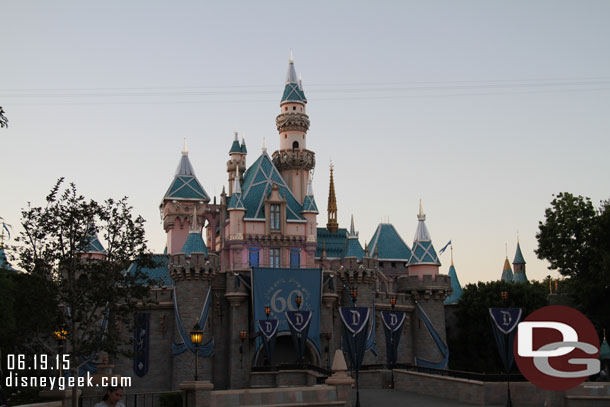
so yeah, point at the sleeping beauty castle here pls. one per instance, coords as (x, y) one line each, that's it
(256, 252)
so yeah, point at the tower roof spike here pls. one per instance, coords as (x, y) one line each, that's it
(264, 144)
(332, 224)
(236, 135)
(421, 215)
(185, 150)
(452, 254)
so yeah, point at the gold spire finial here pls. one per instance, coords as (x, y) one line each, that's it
(185, 150)
(332, 224)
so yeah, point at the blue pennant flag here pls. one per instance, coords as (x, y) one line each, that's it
(268, 327)
(355, 331)
(299, 325)
(505, 320)
(392, 327)
(444, 247)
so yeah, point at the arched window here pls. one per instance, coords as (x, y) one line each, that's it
(295, 145)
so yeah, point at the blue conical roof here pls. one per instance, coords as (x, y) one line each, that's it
(354, 249)
(507, 272)
(236, 202)
(258, 181)
(235, 147)
(185, 184)
(455, 286)
(388, 244)
(243, 148)
(293, 91)
(194, 244)
(4, 264)
(518, 256)
(423, 250)
(520, 277)
(309, 203)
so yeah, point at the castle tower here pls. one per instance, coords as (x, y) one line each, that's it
(293, 160)
(184, 193)
(332, 224)
(519, 266)
(310, 213)
(424, 260)
(237, 160)
(94, 249)
(507, 272)
(456, 288)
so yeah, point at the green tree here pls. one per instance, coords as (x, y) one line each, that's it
(54, 247)
(575, 239)
(473, 347)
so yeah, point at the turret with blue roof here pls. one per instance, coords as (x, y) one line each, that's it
(194, 242)
(519, 266)
(354, 249)
(424, 260)
(185, 184)
(507, 272)
(293, 90)
(309, 204)
(456, 288)
(390, 249)
(236, 202)
(184, 192)
(94, 247)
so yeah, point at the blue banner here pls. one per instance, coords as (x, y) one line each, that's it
(278, 288)
(392, 326)
(442, 346)
(299, 324)
(141, 343)
(505, 320)
(355, 331)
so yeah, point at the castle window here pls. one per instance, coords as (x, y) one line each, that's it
(295, 145)
(274, 257)
(286, 109)
(253, 256)
(295, 258)
(274, 217)
(294, 108)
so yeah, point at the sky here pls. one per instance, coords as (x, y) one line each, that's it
(481, 109)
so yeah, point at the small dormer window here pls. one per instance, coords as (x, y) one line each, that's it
(274, 217)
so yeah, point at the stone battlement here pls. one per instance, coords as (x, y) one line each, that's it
(429, 283)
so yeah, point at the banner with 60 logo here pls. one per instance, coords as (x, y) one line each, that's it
(278, 288)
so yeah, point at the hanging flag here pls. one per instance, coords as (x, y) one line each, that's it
(141, 343)
(505, 320)
(355, 329)
(268, 327)
(370, 340)
(444, 247)
(392, 326)
(298, 321)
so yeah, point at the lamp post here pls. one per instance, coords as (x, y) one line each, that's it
(353, 292)
(60, 336)
(267, 311)
(196, 338)
(242, 336)
(393, 302)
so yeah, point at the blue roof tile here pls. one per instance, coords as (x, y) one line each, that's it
(4, 264)
(160, 272)
(194, 244)
(335, 244)
(258, 181)
(518, 256)
(455, 286)
(388, 244)
(507, 272)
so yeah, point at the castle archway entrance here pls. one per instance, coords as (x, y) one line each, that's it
(285, 353)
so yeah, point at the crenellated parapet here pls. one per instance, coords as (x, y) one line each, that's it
(353, 272)
(294, 160)
(292, 121)
(197, 266)
(436, 287)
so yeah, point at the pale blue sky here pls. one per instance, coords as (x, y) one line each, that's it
(483, 109)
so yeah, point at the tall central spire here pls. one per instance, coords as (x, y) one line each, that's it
(332, 224)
